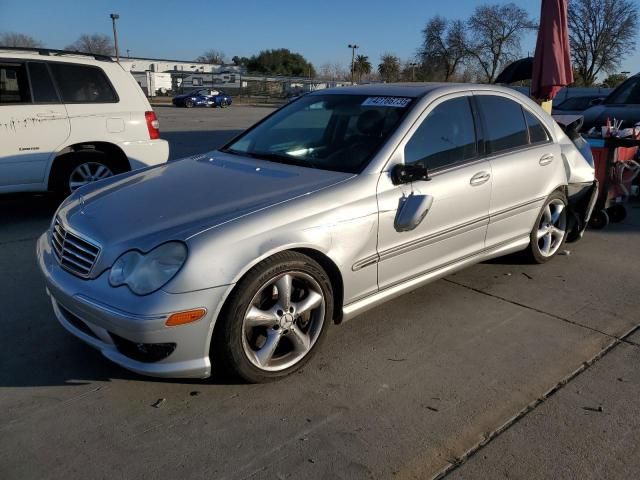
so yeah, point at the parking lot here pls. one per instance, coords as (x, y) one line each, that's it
(503, 370)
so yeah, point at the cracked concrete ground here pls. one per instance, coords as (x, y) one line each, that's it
(404, 391)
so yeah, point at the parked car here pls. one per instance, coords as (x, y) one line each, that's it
(622, 104)
(575, 105)
(335, 203)
(70, 119)
(204, 97)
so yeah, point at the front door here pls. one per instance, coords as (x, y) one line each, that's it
(33, 122)
(457, 195)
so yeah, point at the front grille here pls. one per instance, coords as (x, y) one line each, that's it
(74, 253)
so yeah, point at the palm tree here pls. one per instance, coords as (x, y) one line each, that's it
(361, 66)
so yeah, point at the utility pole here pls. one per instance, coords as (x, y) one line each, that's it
(413, 71)
(353, 59)
(114, 17)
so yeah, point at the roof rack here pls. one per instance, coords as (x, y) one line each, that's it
(52, 52)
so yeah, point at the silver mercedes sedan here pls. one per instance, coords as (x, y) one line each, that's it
(243, 257)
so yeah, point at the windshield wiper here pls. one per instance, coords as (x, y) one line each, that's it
(273, 157)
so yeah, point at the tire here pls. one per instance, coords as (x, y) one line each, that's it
(73, 170)
(261, 334)
(223, 104)
(617, 213)
(599, 219)
(549, 233)
(575, 227)
(188, 104)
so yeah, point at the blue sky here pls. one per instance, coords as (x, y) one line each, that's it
(319, 29)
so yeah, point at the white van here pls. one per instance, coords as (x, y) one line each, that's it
(67, 119)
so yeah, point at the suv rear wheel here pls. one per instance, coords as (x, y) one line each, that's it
(76, 169)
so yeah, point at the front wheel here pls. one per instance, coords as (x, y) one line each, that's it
(550, 230)
(77, 169)
(275, 319)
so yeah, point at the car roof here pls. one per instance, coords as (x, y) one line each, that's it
(412, 90)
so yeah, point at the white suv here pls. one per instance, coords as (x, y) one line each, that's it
(67, 119)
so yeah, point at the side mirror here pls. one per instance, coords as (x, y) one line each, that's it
(596, 101)
(408, 173)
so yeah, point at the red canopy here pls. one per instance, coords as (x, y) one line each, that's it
(552, 60)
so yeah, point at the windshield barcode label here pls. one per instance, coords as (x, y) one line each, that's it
(398, 102)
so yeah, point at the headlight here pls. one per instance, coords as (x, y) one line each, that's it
(146, 273)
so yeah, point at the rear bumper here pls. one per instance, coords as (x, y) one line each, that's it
(146, 153)
(120, 322)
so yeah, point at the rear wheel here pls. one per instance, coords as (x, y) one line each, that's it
(223, 103)
(77, 169)
(550, 230)
(188, 104)
(275, 319)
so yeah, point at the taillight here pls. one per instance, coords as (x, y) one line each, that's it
(153, 125)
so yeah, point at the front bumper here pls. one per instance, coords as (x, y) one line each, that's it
(120, 320)
(146, 153)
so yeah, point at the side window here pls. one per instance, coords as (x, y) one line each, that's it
(446, 137)
(82, 84)
(504, 123)
(42, 84)
(537, 132)
(14, 87)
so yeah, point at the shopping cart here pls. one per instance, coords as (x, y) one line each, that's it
(615, 169)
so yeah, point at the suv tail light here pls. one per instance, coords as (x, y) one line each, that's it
(152, 124)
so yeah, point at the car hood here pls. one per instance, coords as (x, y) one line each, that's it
(177, 200)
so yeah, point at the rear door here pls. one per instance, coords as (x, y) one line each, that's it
(526, 166)
(33, 123)
(444, 140)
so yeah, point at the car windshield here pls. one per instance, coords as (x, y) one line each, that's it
(628, 92)
(331, 132)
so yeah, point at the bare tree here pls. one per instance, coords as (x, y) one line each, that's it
(389, 68)
(496, 31)
(444, 46)
(14, 39)
(333, 72)
(96, 43)
(602, 33)
(215, 57)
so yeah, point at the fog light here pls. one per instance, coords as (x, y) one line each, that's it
(188, 316)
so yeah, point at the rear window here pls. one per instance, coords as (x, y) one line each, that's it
(82, 84)
(628, 92)
(14, 87)
(505, 128)
(42, 84)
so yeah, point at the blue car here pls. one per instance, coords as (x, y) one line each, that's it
(204, 97)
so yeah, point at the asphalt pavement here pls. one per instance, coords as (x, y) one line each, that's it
(503, 370)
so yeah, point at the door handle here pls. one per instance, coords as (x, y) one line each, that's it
(479, 179)
(546, 159)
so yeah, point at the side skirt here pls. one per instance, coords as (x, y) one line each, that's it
(360, 306)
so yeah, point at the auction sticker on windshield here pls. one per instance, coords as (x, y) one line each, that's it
(399, 102)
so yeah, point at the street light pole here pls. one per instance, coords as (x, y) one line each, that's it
(353, 59)
(413, 71)
(114, 17)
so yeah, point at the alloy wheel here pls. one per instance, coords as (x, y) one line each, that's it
(283, 321)
(86, 173)
(552, 227)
